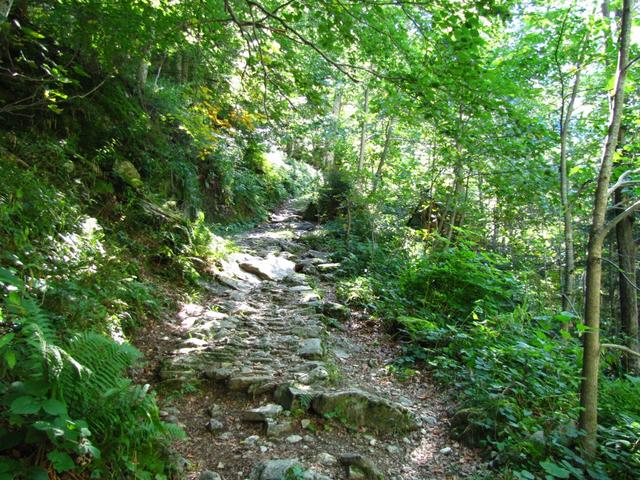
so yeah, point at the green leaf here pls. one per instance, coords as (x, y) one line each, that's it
(26, 405)
(524, 475)
(54, 407)
(5, 339)
(555, 470)
(32, 33)
(61, 461)
(7, 466)
(10, 358)
(37, 473)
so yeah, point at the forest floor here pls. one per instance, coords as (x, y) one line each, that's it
(264, 334)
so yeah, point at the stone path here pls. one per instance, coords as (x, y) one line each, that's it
(270, 379)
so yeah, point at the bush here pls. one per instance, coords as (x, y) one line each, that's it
(71, 400)
(456, 283)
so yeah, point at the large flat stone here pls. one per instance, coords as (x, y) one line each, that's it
(245, 382)
(263, 413)
(358, 408)
(272, 268)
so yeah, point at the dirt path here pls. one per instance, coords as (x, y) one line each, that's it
(263, 336)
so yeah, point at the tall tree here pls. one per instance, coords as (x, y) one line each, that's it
(599, 229)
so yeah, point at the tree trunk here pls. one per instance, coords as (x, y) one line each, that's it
(591, 340)
(568, 284)
(458, 192)
(143, 73)
(383, 156)
(329, 151)
(363, 129)
(157, 77)
(627, 281)
(179, 67)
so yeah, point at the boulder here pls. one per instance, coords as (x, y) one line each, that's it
(128, 172)
(293, 398)
(360, 467)
(311, 348)
(275, 469)
(272, 268)
(358, 408)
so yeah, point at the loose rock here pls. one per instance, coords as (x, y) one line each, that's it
(263, 413)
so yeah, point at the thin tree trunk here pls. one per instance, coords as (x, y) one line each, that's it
(591, 340)
(155, 80)
(329, 152)
(458, 191)
(627, 281)
(179, 67)
(363, 129)
(568, 286)
(383, 157)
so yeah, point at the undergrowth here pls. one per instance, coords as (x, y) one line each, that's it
(513, 368)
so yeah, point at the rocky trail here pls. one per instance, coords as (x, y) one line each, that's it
(271, 379)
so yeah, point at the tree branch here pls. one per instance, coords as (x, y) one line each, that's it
(302, 38)
(620, 347)
(620, 182)
(618, 218)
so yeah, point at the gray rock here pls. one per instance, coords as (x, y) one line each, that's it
(362, 409)
(294, 439)
(218, 374)
(261, 414)
(251, 440)
(214, 425)
(209, 475)
(446, 450)
(275, 469)
(311, 348)
(394, 450)
(245, 382)
(327, 459)
(360, 467)
(278, 429)
(318, 374)
(291, 397)
(431, 421)
(272, 268)
(335, 310)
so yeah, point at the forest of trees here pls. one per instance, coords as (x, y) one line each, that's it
(479, 186)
